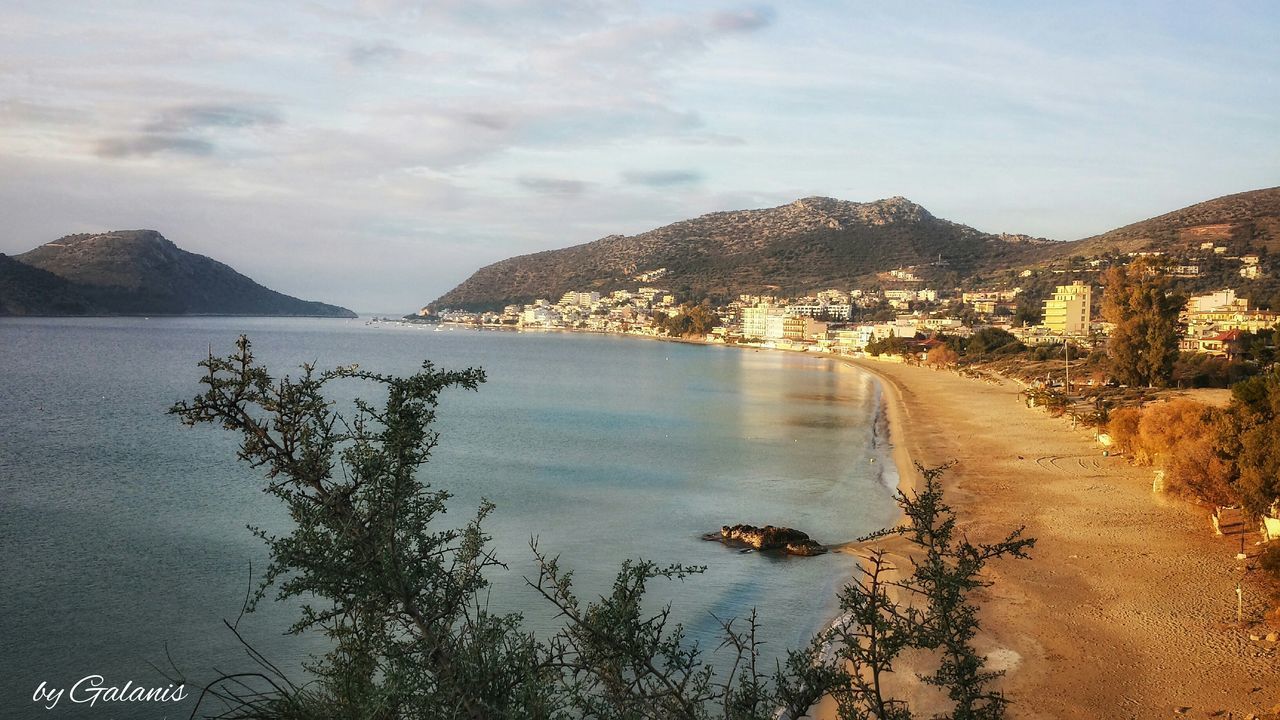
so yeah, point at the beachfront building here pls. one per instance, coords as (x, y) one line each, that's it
(1067, 312)
(539, 316)
(800, 327)
(763, 322)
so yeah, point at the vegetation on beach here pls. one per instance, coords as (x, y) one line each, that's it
(403, 599)
(1221, 456)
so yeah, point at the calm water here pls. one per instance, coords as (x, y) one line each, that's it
(124, 540)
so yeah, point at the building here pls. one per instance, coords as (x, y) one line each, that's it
(1067, 312)
(799, 328)
(1207, 317)
(762, 322)
(1224, 344)
(835, 311)
(1223, 302)
(584, 299)
(538, 316)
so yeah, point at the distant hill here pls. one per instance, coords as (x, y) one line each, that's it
(805, 245)
(820, 242)
(1244, 222)
(136, 272)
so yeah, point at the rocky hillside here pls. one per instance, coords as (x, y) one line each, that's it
(136, 272)
(1244, 222)
(27, 290)
(806, 245)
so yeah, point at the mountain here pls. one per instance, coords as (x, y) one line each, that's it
(136, 272)
(1244, 222)
(806, 245)
(820, 242)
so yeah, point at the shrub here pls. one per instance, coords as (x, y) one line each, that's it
(1123, 429)
(1269, 560)
(1195, 469)
(1166, 425)
(942, 356)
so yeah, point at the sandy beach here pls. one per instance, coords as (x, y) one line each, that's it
(1127, 609)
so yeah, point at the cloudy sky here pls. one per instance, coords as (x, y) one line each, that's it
(374, 153)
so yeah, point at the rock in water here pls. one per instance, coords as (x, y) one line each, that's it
(770, 537)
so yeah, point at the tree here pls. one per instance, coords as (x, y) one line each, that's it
(691, 320)
(993, 341)
(930, 609)
(400, 599)
(1027, 314)
(1251, 431)
(1144, 315)
(891, 345)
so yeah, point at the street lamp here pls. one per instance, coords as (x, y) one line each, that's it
(1066, 353)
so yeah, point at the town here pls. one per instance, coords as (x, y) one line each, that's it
(902, 305)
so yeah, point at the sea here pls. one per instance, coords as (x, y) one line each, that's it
(123, 535)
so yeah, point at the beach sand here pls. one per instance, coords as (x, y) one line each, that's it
(1127, 609)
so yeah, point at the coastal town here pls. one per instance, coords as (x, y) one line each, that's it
(900, 304)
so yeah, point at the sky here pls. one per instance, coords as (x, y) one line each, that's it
(373, 154)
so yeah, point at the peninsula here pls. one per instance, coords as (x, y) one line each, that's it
(136, 272)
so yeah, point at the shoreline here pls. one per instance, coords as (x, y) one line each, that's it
(1127, 607)
(909, 479)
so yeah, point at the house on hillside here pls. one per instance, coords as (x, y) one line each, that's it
(1226, 344)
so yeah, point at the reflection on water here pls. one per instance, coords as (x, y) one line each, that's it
(825, 422)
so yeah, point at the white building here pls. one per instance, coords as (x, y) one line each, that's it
(1224, 300)
(834, 311)
(762, 322)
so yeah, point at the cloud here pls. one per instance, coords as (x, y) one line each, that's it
(146, 145)
(373, 53)
(22, 112)
(553, 186)
(662, 178)
(186, 130)
(743, 21)
(487, 120)
(186, 118)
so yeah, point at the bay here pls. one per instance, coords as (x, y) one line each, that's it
(123, 533)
